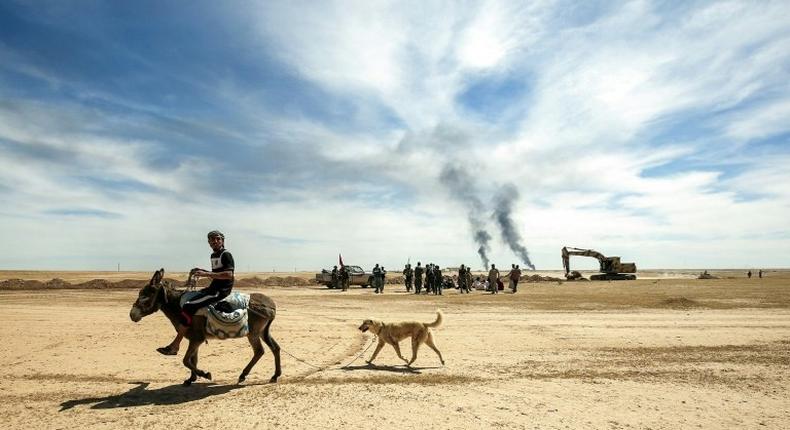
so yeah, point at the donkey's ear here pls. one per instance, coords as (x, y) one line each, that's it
(157, 277)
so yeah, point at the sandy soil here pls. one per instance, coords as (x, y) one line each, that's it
(652, 353)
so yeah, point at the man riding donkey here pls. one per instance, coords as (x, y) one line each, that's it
(221, 275)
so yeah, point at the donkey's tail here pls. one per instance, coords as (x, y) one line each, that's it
(438, 321)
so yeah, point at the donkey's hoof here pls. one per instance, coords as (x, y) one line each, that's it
(207, 375)
(273, 380)
(241, 379)
(187, 382)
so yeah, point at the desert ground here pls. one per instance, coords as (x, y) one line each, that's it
(663, 352)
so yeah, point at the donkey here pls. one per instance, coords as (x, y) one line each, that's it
(159, 295)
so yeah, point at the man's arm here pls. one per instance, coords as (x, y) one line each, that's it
(227, 274)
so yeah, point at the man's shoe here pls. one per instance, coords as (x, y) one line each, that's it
(165, 350)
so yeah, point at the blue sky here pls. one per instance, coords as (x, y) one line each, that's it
(658, 131)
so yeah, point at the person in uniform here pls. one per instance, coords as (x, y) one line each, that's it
(438, 280)
(515, 276)
(493, 278)
(408, 274)
(334, 278)
(383, 279)
(462, 280)
(376, 279)
(344, 278)
(418, 271)
(429, 278)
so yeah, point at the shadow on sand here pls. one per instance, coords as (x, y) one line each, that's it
(395, 369)
(139, 396)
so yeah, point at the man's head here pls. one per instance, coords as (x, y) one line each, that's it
(335, 267)
(493, 266)
(216, 240)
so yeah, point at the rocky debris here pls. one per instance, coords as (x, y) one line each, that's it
(680, 303)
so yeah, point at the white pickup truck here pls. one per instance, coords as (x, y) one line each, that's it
(357, 276)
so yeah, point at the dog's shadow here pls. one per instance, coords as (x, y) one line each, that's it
(395, 369)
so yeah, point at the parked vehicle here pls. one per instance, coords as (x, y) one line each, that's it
(357, 276)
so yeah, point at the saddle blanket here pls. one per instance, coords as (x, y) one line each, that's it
(225, 325)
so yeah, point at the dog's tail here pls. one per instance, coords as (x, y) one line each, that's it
(438, 321)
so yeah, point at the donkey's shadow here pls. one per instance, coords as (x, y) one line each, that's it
(140, 396)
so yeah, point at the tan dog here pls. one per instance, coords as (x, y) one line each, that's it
(393, 333)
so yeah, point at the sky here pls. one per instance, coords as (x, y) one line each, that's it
(394, 132)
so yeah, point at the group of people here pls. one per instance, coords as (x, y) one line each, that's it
(759, 274)
(340, 278)
(435, 282)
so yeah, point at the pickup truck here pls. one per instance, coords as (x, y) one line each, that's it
(357, 276)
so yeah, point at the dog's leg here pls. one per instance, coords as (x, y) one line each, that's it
(397, 349)
(376, 352)
(415, 346)
(429, 342)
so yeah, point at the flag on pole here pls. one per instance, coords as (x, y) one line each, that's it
(340, 259)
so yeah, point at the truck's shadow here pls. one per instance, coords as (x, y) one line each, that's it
(140, 396)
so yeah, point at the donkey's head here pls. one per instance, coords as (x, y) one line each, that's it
(148, 299)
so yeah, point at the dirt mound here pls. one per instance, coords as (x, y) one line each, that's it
(95, 284)
(680, 303)
(706, 275)
(538, 278)
(273, 281)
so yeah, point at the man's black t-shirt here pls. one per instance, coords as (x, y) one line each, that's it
(222, 261)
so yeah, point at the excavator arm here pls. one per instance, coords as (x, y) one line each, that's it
(567, 251)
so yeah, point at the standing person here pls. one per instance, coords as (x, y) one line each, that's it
(377, 279)
(468, 279)
(437, 278)
(760, 274)
(510, 277)
(408, 274)
(749, 274)
(515, 276)
(344, 278)
(335, 278)
(462, 286)
(221, 275)
(493, 279)
(418, 278)
(383, 280)
(429, 278)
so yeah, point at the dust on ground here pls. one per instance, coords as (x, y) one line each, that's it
(659, 353)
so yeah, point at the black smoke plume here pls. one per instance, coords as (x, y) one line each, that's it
(462, 189)
(503, 208)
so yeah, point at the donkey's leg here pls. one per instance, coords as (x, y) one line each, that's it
(190, 361)
(275, 347)
(257, 349)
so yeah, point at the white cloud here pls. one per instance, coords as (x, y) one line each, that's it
(579, 153)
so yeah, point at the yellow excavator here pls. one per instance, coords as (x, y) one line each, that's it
(611, 267)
